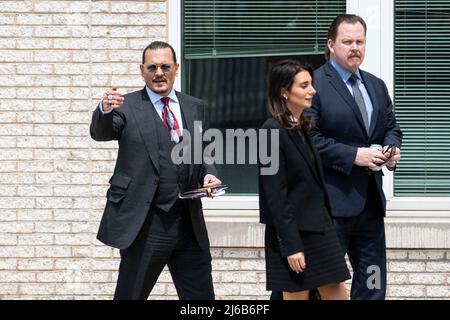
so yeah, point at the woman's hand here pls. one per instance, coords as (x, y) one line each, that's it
(297, 262)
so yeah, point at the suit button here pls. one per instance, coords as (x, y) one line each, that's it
(156, 182)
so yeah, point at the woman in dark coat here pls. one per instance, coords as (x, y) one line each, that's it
(301, 246)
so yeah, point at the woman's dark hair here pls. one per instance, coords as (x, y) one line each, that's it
(333, 30)
(281, 76)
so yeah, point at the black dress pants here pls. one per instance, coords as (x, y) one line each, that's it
(166, 238)
(363, 239)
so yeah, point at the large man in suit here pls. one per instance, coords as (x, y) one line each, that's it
(353, 110)
(144, 217)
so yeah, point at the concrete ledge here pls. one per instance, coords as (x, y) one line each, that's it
(241, 229)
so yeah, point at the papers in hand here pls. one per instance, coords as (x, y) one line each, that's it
(204, 192)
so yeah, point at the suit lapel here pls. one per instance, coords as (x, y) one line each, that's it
(145, 123)
(301, 148)
(373, 98)
(317, 161)
(336, 81)
(189, 114)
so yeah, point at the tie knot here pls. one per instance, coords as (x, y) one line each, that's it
(354, 78)
(165, 100)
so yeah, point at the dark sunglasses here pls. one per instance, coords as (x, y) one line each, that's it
(164, 68)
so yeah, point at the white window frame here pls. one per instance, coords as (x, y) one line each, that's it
(379, 60)
(174, 34)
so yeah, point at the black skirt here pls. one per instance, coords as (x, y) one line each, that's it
(324, 258)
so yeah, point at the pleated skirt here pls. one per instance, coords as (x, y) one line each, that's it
(324, 258)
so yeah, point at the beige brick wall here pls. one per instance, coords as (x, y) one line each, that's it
(56, 58)
(239, 273)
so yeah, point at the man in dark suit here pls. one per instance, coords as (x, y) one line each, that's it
(144, 217)
(353, 110)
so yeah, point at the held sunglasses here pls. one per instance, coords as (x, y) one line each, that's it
(391, 149)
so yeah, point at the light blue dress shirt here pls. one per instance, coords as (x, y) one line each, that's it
(345, 75)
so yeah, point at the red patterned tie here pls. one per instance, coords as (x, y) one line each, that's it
(170, 121)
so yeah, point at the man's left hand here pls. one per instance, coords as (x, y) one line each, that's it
(394, 159)
(211, 181)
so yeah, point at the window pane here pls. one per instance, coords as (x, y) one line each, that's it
(422, 95)
(235, 93)
(249, 28)
(228, 47)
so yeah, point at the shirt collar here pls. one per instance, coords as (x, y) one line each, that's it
(345, 74)
(154, 97)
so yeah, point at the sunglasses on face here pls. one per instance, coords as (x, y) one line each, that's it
(164, 68)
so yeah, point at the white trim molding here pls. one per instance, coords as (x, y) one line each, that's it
(174, 34)
(425, 205)
(418, 230)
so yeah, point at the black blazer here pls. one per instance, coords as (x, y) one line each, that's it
(294, 198)
(136, 174)
(340, 130)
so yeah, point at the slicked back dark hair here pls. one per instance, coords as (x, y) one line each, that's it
(155, 45)
(333, 30)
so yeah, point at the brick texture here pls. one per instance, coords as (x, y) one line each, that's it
(239, 274)
(56, 59)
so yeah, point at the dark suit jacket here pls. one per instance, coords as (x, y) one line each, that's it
(339, 131)
(295, 197)
(135, 179)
